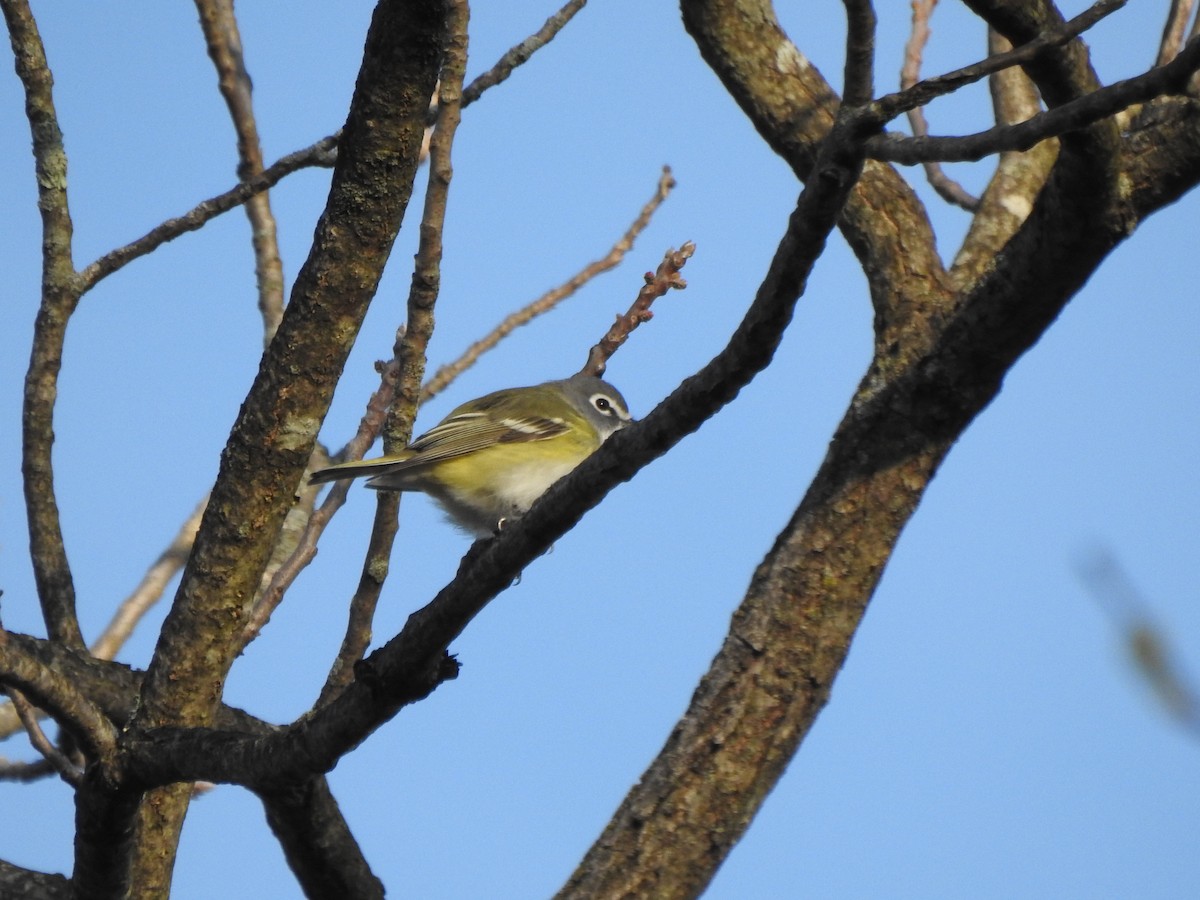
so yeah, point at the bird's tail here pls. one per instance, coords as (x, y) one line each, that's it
(356, 469)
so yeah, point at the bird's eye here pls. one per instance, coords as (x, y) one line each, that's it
(602, 404)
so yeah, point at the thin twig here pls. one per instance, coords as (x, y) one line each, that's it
(664, 279)
(910, 73)
(322, 153)
(413, 339)
(225, 49)
(554, 296)
(520, 54)
(924, 92)
(67, 770)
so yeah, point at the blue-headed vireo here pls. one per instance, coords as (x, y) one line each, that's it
(492, 457)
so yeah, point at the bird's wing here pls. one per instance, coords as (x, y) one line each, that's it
(467, 432)
(458, 435)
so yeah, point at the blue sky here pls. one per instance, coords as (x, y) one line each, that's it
(986, 737)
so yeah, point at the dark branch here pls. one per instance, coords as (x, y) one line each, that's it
(1170, 79)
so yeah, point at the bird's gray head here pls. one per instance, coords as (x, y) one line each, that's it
(602, 403)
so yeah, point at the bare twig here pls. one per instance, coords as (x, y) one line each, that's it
(1173, 30)
(225, 49)
(67, 770)
(60, 297)
(410, 348)
(553, 297)
(665, 278)
(910, 73)
(888, 107)
(520, 54)
(322, 153)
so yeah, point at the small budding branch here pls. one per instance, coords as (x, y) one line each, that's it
(665, 278)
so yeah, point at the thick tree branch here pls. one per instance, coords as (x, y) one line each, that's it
(276, 430)
(54, 692)
(319, 847)
(18, 882)
(792, 107)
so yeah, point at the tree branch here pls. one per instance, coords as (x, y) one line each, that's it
(18, 882)
(225, 49)
(414, 662)
(665, 278)
(910, 73)
(792, 106)
(1171, 79)
(860, 53)
(318, 154)
(1009, 195)
(53, 692)
(66, 769)
(520, 54)
(275, 432)
(60, 296)
(319, 847)
(1173, 30)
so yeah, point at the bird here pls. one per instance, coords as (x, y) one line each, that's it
(491, 458)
